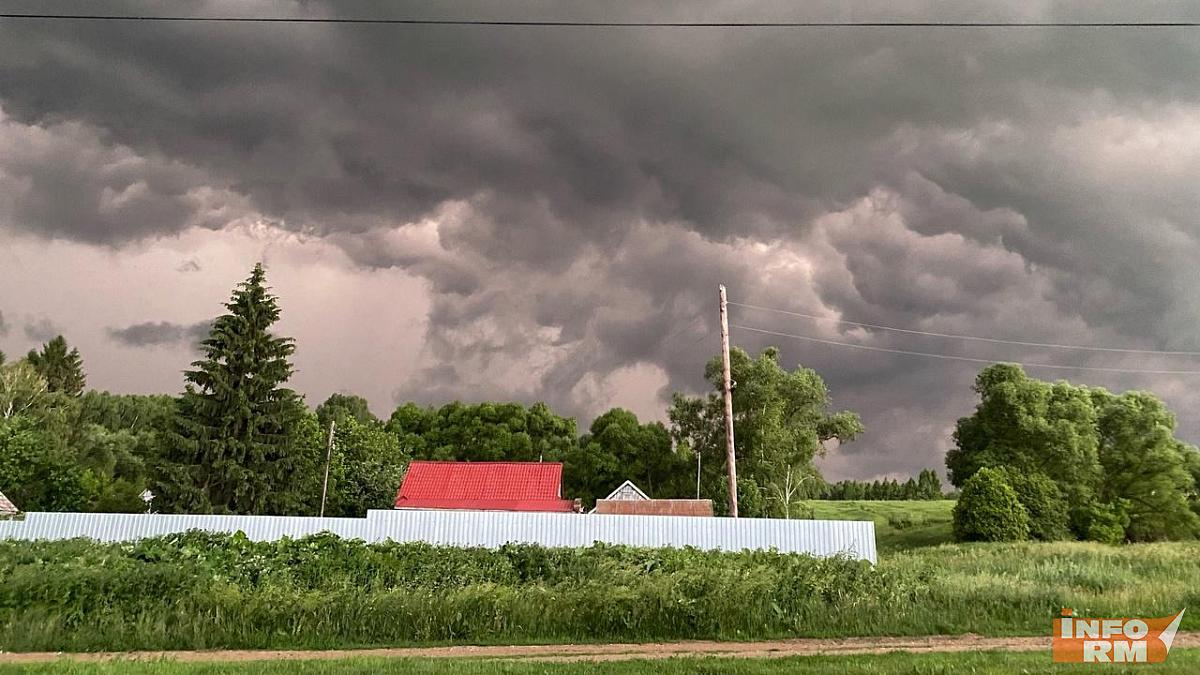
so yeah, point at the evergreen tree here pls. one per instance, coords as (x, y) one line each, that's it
(61, 368)
(929, 486)
(239, 443)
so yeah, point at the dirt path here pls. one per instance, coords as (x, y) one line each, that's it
(601, 652)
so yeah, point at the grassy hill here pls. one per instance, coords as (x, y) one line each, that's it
(899, 525)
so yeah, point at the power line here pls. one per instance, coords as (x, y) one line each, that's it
(966, 358)
(539, 23)
(977, 338)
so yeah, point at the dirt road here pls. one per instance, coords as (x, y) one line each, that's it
(603, 652)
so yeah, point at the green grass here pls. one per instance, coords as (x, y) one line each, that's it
(208, 591)
(1179, 662)
(899, 525)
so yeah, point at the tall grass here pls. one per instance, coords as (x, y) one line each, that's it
(198, 591)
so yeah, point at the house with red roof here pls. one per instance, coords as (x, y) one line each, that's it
(484, 486)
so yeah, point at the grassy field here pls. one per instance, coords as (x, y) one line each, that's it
(1180, 661)
(209, 591)
(899, 525)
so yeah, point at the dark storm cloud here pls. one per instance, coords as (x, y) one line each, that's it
(41, 329)
(573, 197)
(161, 334)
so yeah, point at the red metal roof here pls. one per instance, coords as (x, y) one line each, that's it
(485, 486)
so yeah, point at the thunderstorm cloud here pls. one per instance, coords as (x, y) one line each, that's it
(545, 214)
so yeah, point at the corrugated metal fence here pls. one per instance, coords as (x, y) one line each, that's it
(478, 528)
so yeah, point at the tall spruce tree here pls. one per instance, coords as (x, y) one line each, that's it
(61, 367)
(239, 444)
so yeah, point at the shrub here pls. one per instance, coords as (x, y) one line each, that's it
(988, 510)
(903, 521)
(1043, 502)
(1105, 523)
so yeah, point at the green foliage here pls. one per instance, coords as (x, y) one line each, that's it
(22, 390)
(367, 467)
(619, 448)
(781, 418)
(988, 510)
(1115, 459)
(1043, 502)
(1106, 523)
(1031, 426)
(483, 432)
(243, 442)
(1145, 466)
(37, 472)
(929, 486)
(752, 501)
(340, 407)
(116, 438)
(199, 590)
(61, 367)
(926, 486)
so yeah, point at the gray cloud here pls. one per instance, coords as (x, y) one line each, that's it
(161, 334)
(3, 326)
(572, 198)
(189, 265)
(41, 329)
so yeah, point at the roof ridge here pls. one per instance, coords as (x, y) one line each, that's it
(482, 461)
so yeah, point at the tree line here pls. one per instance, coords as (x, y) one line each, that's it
(238, 440)
(925, 486)
(1036, 459)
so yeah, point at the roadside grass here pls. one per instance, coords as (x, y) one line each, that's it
(1179, 662)
(208, 591)
(899, 525)
(1002, 589)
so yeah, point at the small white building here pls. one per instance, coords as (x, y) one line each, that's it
(628, 499)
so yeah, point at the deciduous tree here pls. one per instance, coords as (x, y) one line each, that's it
(618, 448)
(781, 419)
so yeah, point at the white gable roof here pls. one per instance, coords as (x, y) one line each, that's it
(627, 491)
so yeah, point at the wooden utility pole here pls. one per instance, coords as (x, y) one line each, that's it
(728, 387)
(328, 456)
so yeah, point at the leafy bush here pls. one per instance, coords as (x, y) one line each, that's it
(1105, 523)
(1043, 502)
(988, 510)
(903, 521)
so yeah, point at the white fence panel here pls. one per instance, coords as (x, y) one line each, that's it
(489, 529)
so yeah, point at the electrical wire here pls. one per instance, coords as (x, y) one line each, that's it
(977, 338)
(966, 358)
(539, 23)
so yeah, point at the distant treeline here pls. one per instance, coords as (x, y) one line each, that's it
(238, 440)
(927, 486)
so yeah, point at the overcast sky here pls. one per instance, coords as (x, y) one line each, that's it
(545, 213)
